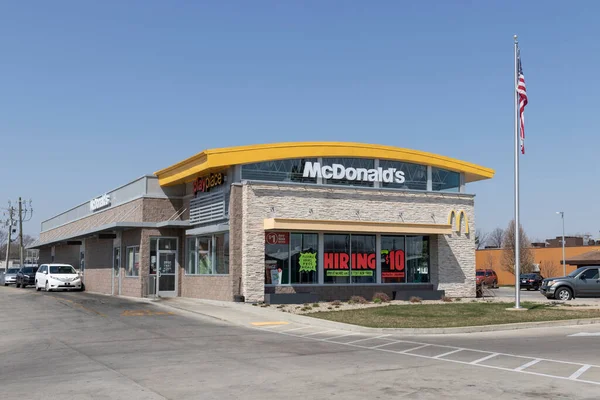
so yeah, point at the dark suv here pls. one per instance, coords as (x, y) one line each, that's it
(531, 281)
(26, 277)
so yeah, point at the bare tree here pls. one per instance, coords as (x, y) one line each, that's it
(549, 269)
(480, 239)
(496, 238)
(508, 255)
(489, 262)
(3, 240)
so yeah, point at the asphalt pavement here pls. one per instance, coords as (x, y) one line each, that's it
(86, 346)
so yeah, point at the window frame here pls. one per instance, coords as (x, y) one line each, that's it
(213, 254)
(127, 261)
(378, 279)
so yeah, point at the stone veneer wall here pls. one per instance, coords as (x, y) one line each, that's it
(452, 261)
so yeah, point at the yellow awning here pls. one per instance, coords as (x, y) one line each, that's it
(290, 224)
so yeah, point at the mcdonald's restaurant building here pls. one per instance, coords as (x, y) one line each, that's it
(286, 222)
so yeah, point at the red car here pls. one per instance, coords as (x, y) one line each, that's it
(487, 277)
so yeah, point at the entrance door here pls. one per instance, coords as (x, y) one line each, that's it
(167, 273)
(116, 278)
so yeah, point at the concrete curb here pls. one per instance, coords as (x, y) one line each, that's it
(219, 310)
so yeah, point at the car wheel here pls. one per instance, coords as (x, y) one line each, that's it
(528, 289)
(17, 285)
(23, 285)
(37, 288)
(563, 293)
(46, 288)
(6, 284)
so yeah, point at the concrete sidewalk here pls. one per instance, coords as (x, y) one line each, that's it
(244, 314)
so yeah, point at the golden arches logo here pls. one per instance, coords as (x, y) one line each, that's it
(458, 218)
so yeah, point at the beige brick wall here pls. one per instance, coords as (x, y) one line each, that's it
(98, 265)
(236, 239)
(45, 255)
(454, 257)
(130, 286)
(207, 287)
(157, 210)
(131, 212)
(67, 254)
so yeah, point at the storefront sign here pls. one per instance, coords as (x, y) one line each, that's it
(350, 273)
(308, 262)
(343, 260)
(393, 262)
(339, 171)
(100, 202)
(277, 237)
(205, 183)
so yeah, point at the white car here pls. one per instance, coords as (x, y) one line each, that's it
(57, 276)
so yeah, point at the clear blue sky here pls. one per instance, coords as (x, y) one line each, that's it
(97, 93)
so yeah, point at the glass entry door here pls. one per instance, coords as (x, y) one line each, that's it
(167, 274)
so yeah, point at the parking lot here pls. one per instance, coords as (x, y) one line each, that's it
(80, 345)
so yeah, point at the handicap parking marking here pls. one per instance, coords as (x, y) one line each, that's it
(547, 368)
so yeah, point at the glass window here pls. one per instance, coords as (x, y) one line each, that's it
(360, 164)
(222, 253)
(117, 260)
(304, 258)
(278, 170)
(363, 259)
(392, 259)
(277, 260)
(417, 259)
(62, 269)
(444, 180)
(208, 255)
(591, 273)
(153, 260)
(336, 258)
(190, 266)
(133, 261)
(415, 176)
(204, 255)
(167, 244)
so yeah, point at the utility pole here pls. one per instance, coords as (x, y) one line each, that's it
(9, 223)
(21, 258)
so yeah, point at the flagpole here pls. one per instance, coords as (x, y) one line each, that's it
(517, 224)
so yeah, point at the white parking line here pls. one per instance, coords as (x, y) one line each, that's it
(341, 336)
(527, 365)
(413, 348)
(477, 363)
(579, 372)
(295, 329)
(484, 358)
(318, 333)
(448, 353)
(361, 340)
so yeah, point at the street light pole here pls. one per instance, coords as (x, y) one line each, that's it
(562, 216)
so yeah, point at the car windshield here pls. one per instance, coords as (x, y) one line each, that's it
(480, 273)
(63, 269)
(577, 272)
(12, 271)
(29, 270)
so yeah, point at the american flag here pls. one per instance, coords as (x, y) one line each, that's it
(522, 92)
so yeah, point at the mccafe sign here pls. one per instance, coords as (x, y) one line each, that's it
(339, 171)
(205, 183)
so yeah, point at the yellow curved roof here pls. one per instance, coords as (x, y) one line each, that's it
(219, 159)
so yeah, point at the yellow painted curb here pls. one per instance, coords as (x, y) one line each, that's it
(270, 323)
